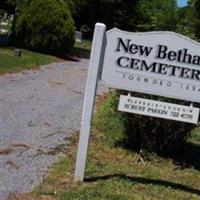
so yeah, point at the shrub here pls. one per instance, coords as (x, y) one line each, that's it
(45, 26)
(110, 122)
(138, 131)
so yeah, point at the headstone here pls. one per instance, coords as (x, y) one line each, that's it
(78, 36)
(18, 52)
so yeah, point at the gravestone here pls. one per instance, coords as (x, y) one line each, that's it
(78, 36)
(18, 52)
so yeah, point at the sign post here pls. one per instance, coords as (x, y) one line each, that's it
(159, 63)
(88, 106)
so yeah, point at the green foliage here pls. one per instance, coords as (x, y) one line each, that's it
(110, 122)
(114, 13)
(138, 131)
(1, 13)
(45, 26)
(183, 23)
(14, 5)
(189, 20)
(156, 15)
(194, 17)
(195, 136)
(137, 15)
(8, 5)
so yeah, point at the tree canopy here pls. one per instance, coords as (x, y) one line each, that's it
(193, 15)
(45, 26)
(135, 15)
(157, 15)
(8, 5)
(118, 13)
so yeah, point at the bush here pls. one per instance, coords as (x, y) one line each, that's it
(45, 26)
(110, 122)
(138, 131)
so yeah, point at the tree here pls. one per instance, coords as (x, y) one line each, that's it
(135, 15)
(193, 16)
(185, 18)
(45, 26)
(118, 13)
(157, 15)
(8, 5)
(12, 6)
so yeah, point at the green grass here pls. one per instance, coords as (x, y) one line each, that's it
(82, 49)
(195, 136)
(9, 63)
(108, 121)
(113, 174)
(85, 44)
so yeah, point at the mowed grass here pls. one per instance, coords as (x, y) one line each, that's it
(9, 63)
(114, 174)
(82, 49)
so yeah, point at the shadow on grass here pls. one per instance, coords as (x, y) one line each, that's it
(74, 55)
(175, 186)
(186, 155)
(81, 52)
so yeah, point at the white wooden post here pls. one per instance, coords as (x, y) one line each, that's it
(88, 106)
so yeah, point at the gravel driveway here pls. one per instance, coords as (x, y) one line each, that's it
(38, 110)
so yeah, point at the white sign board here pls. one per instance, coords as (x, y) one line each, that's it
(158, 109)
(160, 63)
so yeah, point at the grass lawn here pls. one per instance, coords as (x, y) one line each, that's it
(10, 63)
(82, 49)
(114, 174)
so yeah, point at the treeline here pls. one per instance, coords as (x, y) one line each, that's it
(134, 15)
(138, 15)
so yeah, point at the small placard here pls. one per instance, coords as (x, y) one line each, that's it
(158, 109)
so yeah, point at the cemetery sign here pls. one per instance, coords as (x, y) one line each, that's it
(160, 63)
